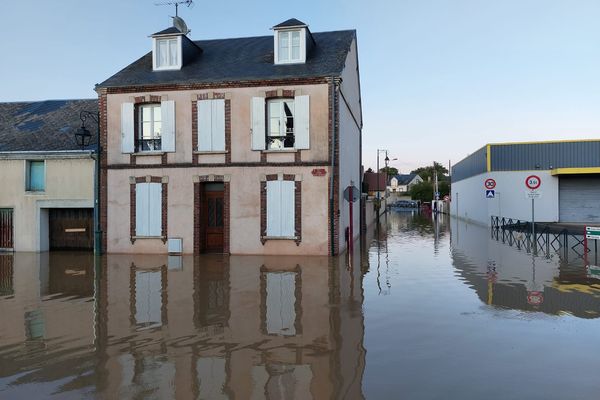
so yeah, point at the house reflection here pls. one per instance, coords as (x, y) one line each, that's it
(213, 327)
(511, 278)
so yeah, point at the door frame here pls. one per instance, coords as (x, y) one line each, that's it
(199, 182)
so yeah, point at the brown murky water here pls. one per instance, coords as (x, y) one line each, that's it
(425, 311)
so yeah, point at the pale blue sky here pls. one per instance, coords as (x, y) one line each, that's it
(439, 78)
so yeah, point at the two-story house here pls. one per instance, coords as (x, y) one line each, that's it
(240, 146)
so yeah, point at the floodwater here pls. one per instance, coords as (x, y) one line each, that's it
(422, 310)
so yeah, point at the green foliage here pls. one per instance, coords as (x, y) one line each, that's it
(391, 171)
(424, 191)
(427, 172)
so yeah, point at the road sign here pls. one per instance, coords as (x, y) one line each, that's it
(533, 194)
(489, 183)
(535, 298)
(355, 193)
(490, 194)
(592, 232)
(533, 182)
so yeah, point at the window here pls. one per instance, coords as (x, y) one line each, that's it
(35, 176)
(281, 303)
(211, 125)
(280, 132)
(289, 47)
(149, 127)
(280, 209)
(286, 125)
(166, 54)
(148, 209)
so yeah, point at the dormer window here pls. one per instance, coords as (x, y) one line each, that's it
(167, 53)
(289, 47)
(293, 41)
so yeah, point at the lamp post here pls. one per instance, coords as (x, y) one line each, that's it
(83, 138)
(379, 180)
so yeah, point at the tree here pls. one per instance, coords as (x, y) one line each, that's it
(391, 171)
(427, 172)
(424, 190)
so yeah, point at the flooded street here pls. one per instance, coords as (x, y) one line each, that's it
(422, 310)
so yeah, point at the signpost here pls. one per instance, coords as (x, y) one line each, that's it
(591, 233)
(533, 182)
(489, 185)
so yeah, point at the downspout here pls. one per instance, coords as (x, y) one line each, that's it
(331, 179)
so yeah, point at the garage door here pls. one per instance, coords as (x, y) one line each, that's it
(579, 198)
(71, 229)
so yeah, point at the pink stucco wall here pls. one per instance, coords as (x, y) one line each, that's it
(245, 180)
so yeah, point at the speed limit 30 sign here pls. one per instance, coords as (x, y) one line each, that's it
(489, 183)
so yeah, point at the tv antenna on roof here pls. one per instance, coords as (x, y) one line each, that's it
(176, 3)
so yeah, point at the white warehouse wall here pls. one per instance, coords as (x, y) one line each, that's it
(468, 199)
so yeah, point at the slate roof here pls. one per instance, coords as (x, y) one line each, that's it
(289, 23)
(241, 59)
(167, 31)
(405, 179)
(48, 125)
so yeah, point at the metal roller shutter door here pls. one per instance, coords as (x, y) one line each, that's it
(579, 199)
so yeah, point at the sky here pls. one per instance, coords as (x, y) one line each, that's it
(439, 78)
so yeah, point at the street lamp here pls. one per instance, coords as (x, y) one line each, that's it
(83, 138)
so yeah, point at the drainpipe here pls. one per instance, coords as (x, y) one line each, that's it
(334, 83)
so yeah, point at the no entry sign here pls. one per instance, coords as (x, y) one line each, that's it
(533, 182)
(489, 183)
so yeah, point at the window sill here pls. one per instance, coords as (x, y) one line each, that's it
(35, 192)
(211, 152)
(147, 237)
(281, 151)
(279, 237)
(149, 153)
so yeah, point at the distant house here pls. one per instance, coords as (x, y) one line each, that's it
(235, 146)
(46, 179)
(375, 182)
(402, 183)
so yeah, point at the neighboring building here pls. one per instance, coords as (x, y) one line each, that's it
(402, 183)
(570, 182)
(240, 146)
(47, 195)
(375, 183)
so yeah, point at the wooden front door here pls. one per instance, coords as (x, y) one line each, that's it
(212, 217)
(6, 228)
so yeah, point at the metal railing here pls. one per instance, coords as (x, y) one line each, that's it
(549, 239)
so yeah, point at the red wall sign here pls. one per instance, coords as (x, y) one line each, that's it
(319, 172)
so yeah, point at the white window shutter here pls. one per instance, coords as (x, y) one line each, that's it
(302, 122)
(205, 125)
(168, 125)
(258, 123)
(273, 208)
(141, 209)
(218, 125)
(127, 128)
(287, 208)
(155, 209)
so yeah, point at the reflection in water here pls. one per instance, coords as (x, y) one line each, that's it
(214, 327)
(512, 278)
